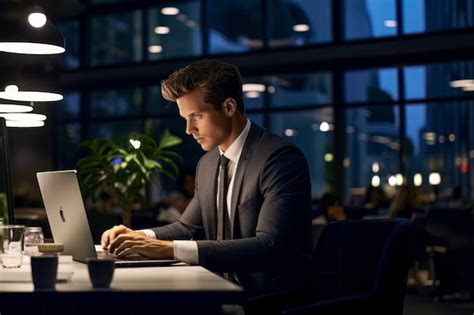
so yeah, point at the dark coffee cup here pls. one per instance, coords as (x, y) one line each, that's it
(101, 272)
(44, 271)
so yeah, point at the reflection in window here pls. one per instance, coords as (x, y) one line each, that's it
(415, 82)
(254, 92)
(440, 139)
(369, 18)
(313, 132)
(372, 148)
(69, 107)
(116, 38)
(174, 33)
(375, 85)
(439, 80)
(299, 22)
(117, 102)
(116, 131)
(68, 138)
(301, 89)
(228, 32)
(436, 15)
(70, 31)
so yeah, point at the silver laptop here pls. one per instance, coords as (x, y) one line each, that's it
(68, 219)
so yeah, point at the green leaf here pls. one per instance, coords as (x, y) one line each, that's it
(168, 140)
(128, 179)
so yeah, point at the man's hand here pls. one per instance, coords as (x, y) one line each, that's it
(134, 243)
(109, 235)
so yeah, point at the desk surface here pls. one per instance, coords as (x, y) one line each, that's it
(156, 285)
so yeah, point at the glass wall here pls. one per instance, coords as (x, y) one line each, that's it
(372, 147)
(70, 31)
(440, 140)
(299, 22)
(227, 31)
(147, 32)
(313, 132)
(174, 31)
(385, 127)
(116, 38)
(369, 18)
(117, 103)
(436, 15)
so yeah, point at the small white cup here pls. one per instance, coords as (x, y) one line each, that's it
(12, 245)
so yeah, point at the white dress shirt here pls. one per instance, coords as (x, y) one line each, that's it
(187, 251)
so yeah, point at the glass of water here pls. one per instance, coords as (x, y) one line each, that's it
(11, 245)
(33, 237)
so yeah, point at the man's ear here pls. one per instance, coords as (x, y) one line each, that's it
(230, 106)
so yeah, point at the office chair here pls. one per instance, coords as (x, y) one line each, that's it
(360, 267)
(451, 250)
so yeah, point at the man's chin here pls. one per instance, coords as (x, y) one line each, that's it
(207, 147)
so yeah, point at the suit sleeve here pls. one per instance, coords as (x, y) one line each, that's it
(188, 227)
(285, 187)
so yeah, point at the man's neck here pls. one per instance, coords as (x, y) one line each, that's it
(237, 127)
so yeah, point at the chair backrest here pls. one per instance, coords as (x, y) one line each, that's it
(363, 257)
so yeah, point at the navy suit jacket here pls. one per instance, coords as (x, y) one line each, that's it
(270, 216)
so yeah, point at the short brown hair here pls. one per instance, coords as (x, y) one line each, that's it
(215, 79)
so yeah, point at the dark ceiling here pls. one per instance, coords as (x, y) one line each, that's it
(55, 9)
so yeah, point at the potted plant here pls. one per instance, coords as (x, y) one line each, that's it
(125, 169)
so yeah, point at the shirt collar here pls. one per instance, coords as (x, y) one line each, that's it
(234, 151)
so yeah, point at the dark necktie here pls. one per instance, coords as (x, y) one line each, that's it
(223, 222)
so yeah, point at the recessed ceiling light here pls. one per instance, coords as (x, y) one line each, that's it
(461, 83)
(155, 49)
(170, 11)
(252, 94)
(162, 30)
(256, 87)
(301, 27)
(390, 23)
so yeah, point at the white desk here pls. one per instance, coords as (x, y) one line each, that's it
(173, 289)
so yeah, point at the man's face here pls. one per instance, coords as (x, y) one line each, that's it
(208, 126)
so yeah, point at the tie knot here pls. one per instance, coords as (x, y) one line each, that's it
(223, 161)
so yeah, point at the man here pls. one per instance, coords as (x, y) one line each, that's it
(250, 215)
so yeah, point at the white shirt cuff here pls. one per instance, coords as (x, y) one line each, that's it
(186, 251)
(148, 233)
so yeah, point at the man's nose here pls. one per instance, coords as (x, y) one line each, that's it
(189, 128)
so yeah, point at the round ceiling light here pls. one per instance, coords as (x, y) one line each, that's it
(14, 108)
(13, 94)
(37, 19)
(29, 32)
(24, 117)
(24, 124)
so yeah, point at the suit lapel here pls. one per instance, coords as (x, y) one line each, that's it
(210, 193)
(253, 137)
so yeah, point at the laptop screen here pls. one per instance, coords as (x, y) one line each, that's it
(66, 213)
